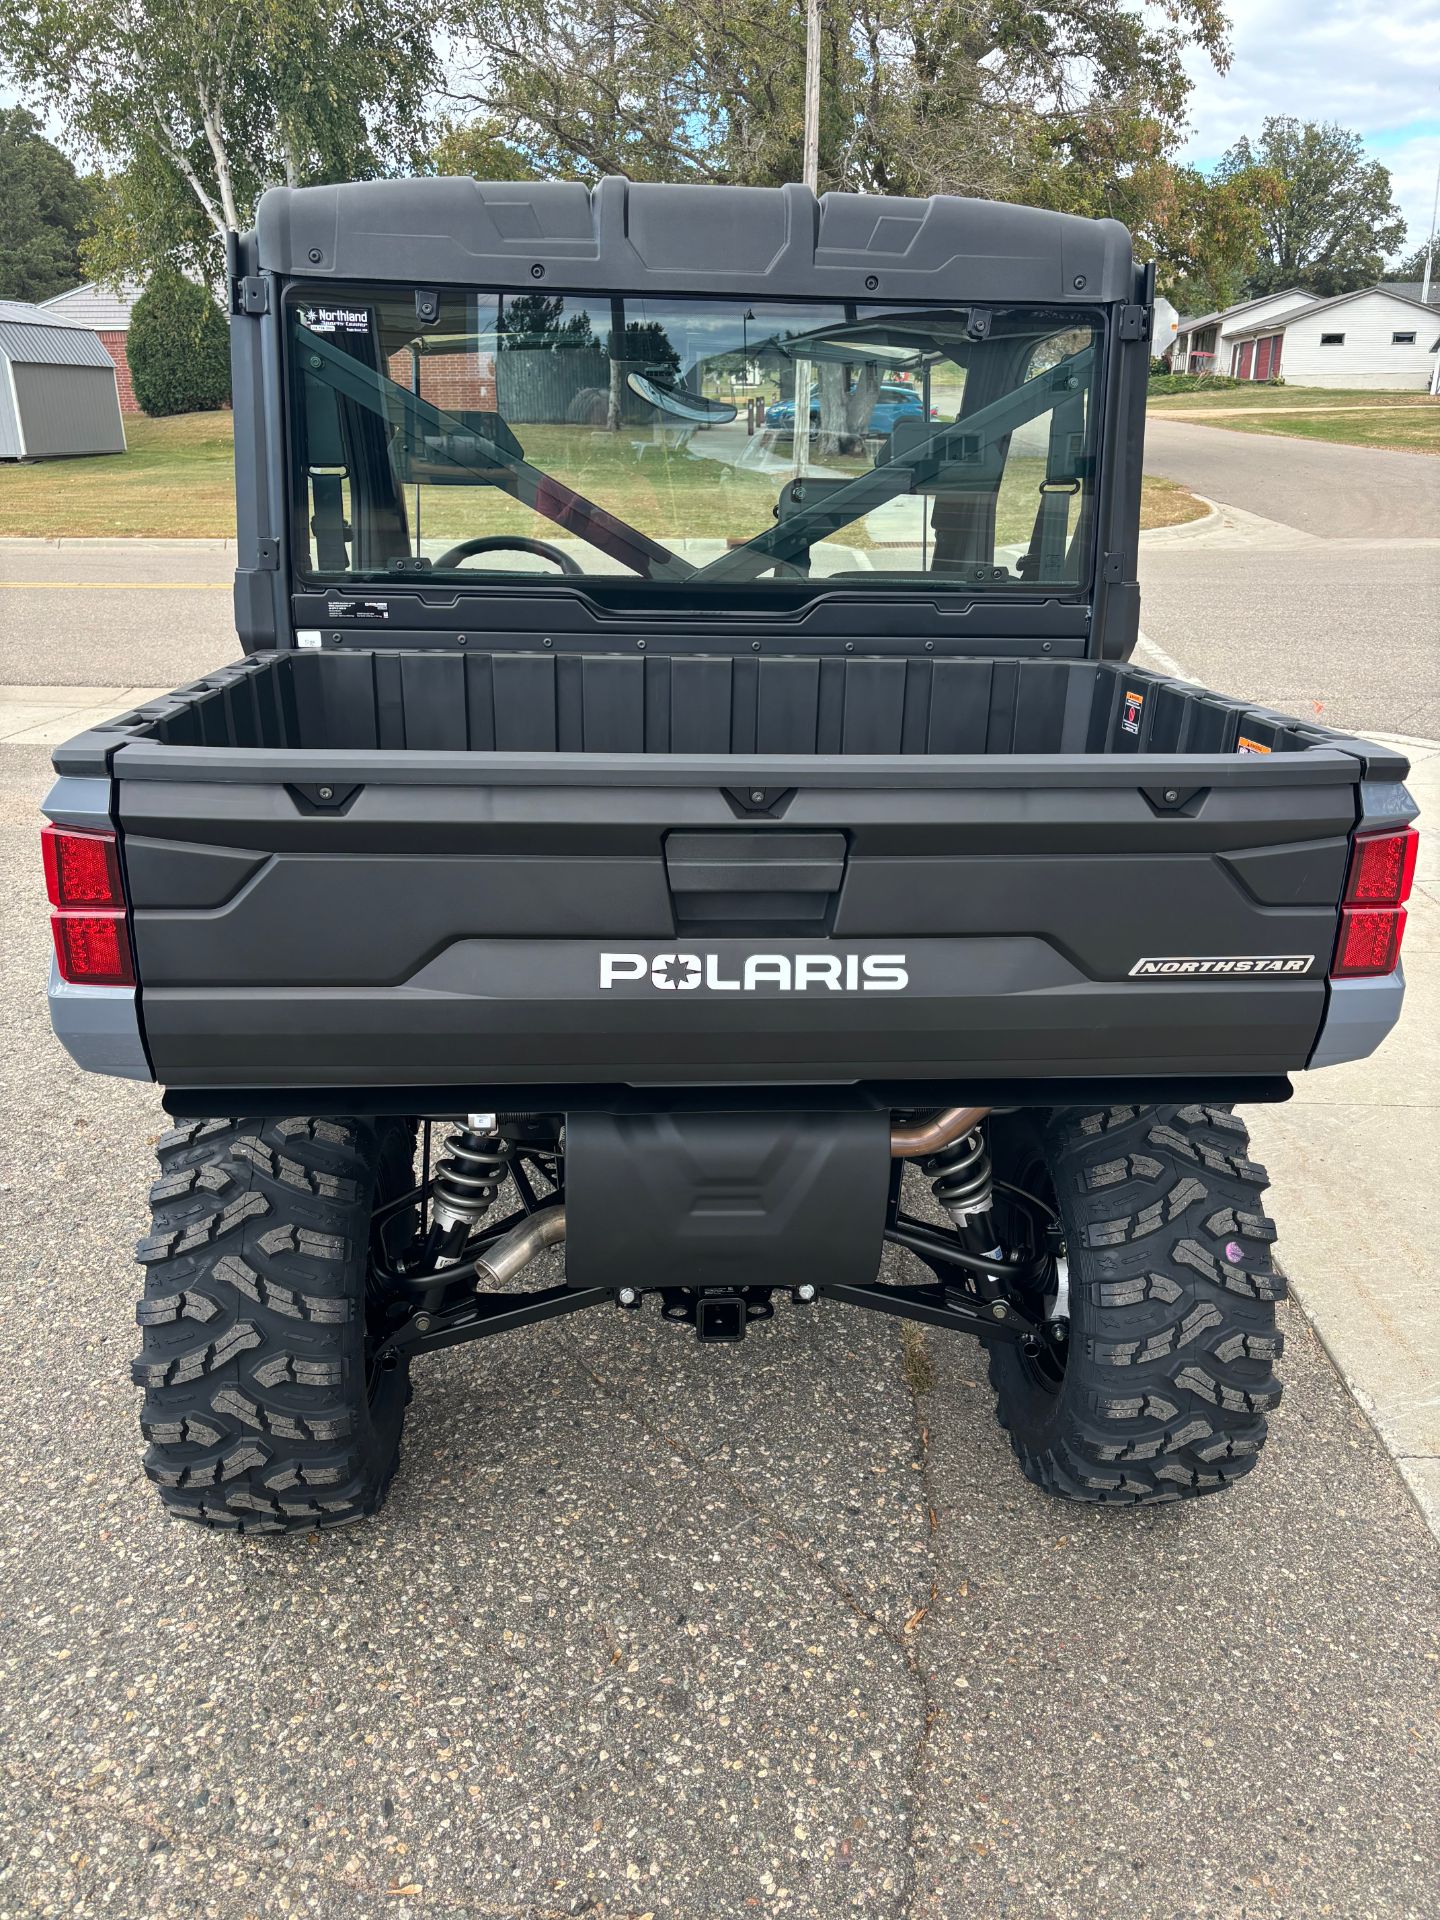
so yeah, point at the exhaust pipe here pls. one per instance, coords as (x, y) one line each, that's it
(909, 1143)
(504, 1258)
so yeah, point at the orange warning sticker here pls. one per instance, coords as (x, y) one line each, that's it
(1242, 745)
(1130, 717)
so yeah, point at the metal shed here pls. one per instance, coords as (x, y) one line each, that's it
(58, 393)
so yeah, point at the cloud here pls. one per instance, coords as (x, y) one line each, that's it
(1372, 68)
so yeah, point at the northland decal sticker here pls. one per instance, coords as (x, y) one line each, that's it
(1193, 966)
(757, 972)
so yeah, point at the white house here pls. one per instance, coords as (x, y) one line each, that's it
(1202, 345)
(1373, 338)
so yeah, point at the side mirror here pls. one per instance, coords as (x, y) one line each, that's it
(694, 408)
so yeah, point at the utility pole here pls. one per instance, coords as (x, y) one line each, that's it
(811, 160)
(810, 170)
(1430, 250)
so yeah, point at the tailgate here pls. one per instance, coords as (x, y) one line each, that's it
(333, 918)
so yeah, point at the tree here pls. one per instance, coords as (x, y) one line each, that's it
(199, 105)
(1204, 234)
(539, 321)
(477, 149)
(44, 209)
(1412, 266)
(917, 96)
(1335, 220)
(178, 348)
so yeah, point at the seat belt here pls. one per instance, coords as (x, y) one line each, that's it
(328, 525)
(1045, 557)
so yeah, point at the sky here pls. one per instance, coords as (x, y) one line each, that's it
(1373, 67)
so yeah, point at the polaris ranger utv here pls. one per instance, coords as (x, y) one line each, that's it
(714, 842)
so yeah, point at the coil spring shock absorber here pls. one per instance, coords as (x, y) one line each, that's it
(962, 1180)
(467, 1180)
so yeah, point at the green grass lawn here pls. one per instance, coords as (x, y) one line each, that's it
(1352, 417)
(177, 480)
(1401, 429)
(1247, 395)
(668, 492)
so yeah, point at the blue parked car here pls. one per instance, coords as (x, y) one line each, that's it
(895, 403)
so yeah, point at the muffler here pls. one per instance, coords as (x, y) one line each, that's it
(709, 1196)
(717, 1200)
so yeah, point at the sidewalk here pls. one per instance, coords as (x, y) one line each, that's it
(1355, 1191)
(49, 716)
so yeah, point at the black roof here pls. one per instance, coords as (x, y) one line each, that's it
(636, 237)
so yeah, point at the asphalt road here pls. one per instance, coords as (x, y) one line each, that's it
(655, 1629)
(114, 613)
(649, 1628)
(1321, 595)
(1353, 493)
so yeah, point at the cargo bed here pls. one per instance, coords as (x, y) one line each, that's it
(538, 702)
(465, 870)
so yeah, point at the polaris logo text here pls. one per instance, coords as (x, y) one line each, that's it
(1184, 967)
(757, 972)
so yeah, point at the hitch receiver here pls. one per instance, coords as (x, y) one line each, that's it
(720, 1317)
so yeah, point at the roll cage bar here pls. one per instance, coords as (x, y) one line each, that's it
(350, 379)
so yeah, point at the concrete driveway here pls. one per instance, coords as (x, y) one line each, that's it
(651, 1629)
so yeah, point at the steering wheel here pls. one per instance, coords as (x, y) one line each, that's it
(507, 543)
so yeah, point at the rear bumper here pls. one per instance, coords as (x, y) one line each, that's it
(1359, 1015)
(525, 1013)
(99, 1027)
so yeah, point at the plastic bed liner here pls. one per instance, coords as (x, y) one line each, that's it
(481, 701)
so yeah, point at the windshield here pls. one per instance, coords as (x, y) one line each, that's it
(494, 438)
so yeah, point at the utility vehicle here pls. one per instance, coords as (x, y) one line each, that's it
(637, 838)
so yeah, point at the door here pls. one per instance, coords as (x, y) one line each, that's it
(67, 410)
(1262, 358)
(1247, 357)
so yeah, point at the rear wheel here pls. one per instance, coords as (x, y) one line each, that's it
(265, 1408)
(1160, 1391)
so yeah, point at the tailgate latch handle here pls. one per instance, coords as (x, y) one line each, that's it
(769, 877)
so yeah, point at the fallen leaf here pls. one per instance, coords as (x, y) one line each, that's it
(916, 1617)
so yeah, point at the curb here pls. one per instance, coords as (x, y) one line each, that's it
(1160, 536)
(1401, 740)
(1369, 1411)
(47, 543)
(215, 543)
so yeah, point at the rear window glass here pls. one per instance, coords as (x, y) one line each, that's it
(498, 437)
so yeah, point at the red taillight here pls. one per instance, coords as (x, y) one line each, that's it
(81, 869)
(1372, 920)
(82, 878)
(1382, 868)
(1369, 941)
(93, 949)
